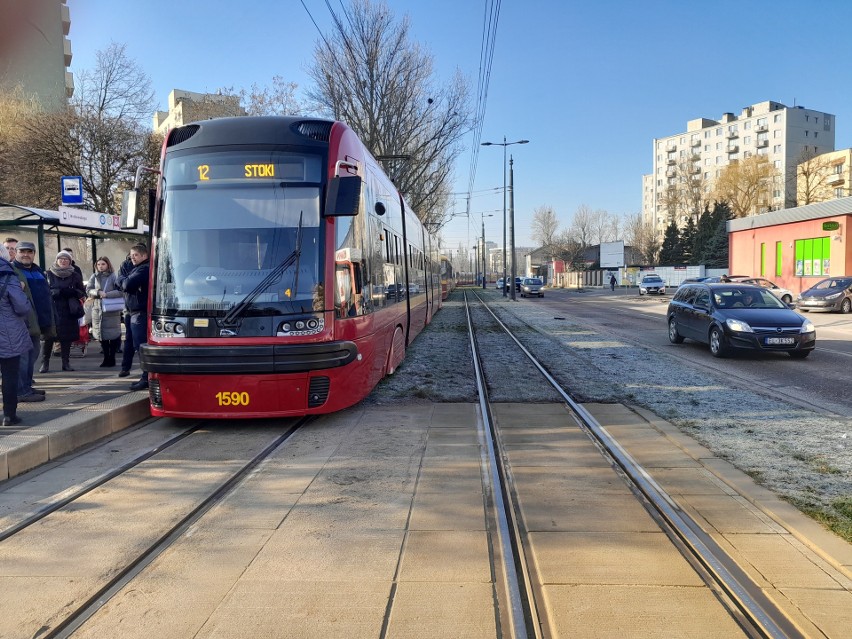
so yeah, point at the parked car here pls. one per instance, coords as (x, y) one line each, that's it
(532, 286)
(652, 283)
(738, 316)
(830, 294)
(499, 284)
(783, 294)
(395, 290)
(693, 280)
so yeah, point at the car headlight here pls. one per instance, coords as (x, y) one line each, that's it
(738, 325)
(808, 327)
(834, 296)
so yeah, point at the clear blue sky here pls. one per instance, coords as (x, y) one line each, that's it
(590, 84)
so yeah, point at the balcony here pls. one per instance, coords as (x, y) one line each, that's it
(695, 170)
(69, 84)
(66, 19)
(66, 44)
(762, 144)
(836, 179)
(762, 128)
(732, 135)
(671, 161)
(695, 142)
(733, 148)
(671, 147)
(671, 173)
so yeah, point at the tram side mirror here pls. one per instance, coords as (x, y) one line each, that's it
(128, 209)
(344, 196)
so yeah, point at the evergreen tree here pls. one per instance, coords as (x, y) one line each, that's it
(717, 247)
(703, 235)
(687, 241)
(669, 251)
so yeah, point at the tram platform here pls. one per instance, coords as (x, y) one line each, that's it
(80, 407)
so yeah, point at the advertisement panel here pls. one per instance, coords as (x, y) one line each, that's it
(612, 254)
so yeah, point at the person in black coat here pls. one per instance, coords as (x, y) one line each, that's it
(135, 287)
(66, 290)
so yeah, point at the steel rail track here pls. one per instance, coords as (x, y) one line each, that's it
(523, 614)
(85, 611)
(92, 484)
(744, 600)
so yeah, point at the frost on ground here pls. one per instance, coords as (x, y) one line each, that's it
(800, 455)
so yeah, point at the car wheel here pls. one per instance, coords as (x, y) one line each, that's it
(674, 336)
(717, 342)
(787, 299)
(641, 293)
(799, 354)
(846, 306)
(803, 310)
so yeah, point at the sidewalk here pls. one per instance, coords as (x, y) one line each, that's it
(81, 406)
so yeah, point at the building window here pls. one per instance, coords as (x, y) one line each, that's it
(718, 146)
(779, 253)
(838, 192)
(807, 117)
(747, 154)
(718, 159)
(813, 257)
(807, 133)
(777, 117)
(747, 139)
(683, 140)
(707, 175)
(761, 122)
(706, 147)
(826, 123)
(776, 193)
(776, 148)
(706, 134)
(777, 134)
(816, 133)
(707, 162)
(719, 131)
(777, 164)
(747, 125)
(763, 151)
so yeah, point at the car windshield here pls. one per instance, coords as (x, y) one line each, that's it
(735, 297)
(652, 278)
(530, 280)
(831, 283)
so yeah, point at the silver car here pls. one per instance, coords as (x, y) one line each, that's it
(783, 294)
(531, 286)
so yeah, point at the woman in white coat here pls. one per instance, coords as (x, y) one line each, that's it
(106, 309)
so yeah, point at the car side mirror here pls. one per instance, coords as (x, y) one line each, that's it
(128, 209)
(344, 196)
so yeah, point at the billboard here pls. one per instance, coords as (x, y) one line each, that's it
(612, 254)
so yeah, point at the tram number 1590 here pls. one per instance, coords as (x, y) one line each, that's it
(232, 399)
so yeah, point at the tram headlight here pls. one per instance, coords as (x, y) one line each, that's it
(313, 324)
(179, 329)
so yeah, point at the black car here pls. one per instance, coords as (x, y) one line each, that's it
(831, 294)
(738, 316)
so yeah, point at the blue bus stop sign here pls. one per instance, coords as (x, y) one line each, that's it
(72, 189)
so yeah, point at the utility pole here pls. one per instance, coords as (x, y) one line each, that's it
(512, 221)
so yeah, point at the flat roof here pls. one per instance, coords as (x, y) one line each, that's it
(831, 208)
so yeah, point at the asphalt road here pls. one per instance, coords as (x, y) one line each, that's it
(818, 382)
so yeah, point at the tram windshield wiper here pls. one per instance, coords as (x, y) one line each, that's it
(238, 309)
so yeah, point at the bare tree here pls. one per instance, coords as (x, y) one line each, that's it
(811, 173)
(15, 110)
(277, 99)
(641, 236)
(582, 225)
(747, 185)
(544, 226)
(370, 74)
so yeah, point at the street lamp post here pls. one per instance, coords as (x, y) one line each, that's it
(504, 144)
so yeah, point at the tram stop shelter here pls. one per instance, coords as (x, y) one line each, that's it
(90, 233)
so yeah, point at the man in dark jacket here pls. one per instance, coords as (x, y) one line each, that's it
(43, 324)
(135, 287)
(127, 354)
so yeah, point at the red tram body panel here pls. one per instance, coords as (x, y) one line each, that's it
(288, 274)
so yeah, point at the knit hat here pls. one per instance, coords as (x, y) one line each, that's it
(64, 254)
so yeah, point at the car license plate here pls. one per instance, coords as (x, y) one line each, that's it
(774, 341)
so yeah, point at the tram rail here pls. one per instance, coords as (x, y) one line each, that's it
(744, 600)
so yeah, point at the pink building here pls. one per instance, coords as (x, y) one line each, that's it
(795, 248)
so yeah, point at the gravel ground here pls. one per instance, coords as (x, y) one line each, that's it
(799, 455)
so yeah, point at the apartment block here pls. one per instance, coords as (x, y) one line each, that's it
(824, 177)
(686, 165)
(187, 106)
(38, 64)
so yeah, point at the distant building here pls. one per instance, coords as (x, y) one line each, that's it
(39, 65)
(824, 177)
(187, 106)
(783, 134)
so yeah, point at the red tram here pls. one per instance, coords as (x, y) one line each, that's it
(288, 275)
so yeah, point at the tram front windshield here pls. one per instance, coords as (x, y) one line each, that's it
(229, 220)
